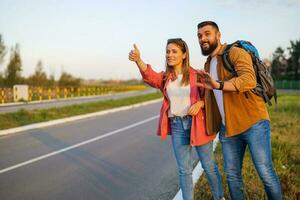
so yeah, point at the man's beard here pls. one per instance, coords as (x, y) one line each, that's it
(210, 49)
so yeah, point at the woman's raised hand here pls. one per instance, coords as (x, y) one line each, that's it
(134, 54)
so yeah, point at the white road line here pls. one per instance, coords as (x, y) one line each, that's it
(78, 144)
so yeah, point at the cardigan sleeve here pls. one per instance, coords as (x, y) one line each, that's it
(201, 90)
(153, 78)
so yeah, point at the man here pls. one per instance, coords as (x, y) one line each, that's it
(239, 115)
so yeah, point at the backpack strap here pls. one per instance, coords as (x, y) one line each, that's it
(226, 61)
(267, 99)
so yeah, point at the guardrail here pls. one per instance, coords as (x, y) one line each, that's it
(42, 93)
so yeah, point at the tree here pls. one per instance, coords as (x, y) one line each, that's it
(51, 81)
(294, 60)
(279, 64)
(39, 78)
(67, 79)
(2, 49)
(13, 71)
(2, 54)
(1, 80)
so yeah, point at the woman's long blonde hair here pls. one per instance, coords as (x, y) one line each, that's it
(186, 61)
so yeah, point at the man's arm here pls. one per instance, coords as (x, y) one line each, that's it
(245, 80)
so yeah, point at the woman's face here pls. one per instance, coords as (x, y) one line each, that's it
(174, 55)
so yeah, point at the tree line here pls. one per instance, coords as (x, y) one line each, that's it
(286, 62)
(12, 73)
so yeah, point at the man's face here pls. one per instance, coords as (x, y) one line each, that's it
(208, 38)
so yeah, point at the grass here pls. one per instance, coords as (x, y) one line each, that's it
(25, 117)
(285, 126)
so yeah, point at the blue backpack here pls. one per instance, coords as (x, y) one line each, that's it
(265, 86)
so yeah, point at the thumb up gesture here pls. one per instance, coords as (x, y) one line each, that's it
(134, 54)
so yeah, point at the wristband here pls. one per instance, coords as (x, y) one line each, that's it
(221, 85)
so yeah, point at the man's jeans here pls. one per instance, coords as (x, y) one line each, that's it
(259, 143)
(181, 130)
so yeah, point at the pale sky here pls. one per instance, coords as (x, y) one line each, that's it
(92, 39)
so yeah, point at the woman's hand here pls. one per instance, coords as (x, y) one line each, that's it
(195, 108)
(134, 54)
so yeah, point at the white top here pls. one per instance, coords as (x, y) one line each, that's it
(179, 97)
(218, 93)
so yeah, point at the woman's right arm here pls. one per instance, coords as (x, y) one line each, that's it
(150, 77)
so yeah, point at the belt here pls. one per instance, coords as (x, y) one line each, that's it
(181, 117)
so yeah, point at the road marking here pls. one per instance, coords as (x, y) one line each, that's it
(78, 144)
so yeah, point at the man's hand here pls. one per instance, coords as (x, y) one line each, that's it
(195, 108)
(208, 82)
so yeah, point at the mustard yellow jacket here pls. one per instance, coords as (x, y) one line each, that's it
(242, 108)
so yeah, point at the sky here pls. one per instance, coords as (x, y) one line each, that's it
(92, 39)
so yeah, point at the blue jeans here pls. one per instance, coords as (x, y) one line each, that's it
(181, 131)
(259, 143)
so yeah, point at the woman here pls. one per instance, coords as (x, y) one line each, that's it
(182, 115)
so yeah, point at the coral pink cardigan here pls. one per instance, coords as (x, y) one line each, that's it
(198, 130)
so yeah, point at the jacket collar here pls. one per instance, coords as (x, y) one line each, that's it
(219, 53)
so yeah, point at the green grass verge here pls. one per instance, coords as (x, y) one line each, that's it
(25, 117)
(285, 123)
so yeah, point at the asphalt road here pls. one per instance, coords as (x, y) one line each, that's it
(64, 102)
(121, 159)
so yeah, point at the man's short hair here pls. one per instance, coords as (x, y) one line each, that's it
(205, 23)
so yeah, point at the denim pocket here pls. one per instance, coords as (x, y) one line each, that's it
(260, 126)
(176, 126)
(174, 121)
(187, 123)
(180, 128)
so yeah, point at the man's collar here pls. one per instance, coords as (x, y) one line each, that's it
(220, 52)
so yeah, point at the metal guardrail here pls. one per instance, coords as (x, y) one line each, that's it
(41, 93)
